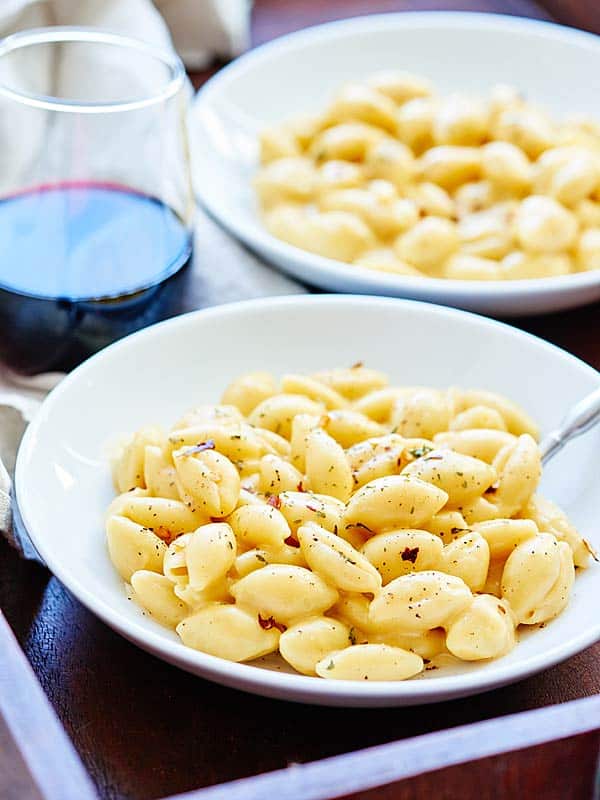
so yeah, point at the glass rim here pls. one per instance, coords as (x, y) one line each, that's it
(73, 34)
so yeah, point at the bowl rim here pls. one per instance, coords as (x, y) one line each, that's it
(252, 678)
(253, 234)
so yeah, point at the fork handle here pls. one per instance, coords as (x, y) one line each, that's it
(583, 416)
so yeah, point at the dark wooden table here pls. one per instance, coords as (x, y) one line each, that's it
(145, 729)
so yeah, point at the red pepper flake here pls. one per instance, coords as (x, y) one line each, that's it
(274, 500)
(209, 444)
(312, 508)
(410, 554)
(270, 622)
(300, 487)
(165, 534)
(291, 541)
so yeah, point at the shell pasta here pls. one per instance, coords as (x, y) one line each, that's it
(392, 176)
(363, 531)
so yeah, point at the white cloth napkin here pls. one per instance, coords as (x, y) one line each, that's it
(20, 398)
(200, 29)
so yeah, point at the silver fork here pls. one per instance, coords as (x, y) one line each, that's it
(581, 417)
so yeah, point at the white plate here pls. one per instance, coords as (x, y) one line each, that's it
(64, 486)
(557, 67)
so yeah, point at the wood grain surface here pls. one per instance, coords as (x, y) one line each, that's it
(562, 770)
(577, 13)
(383, 771)
(145, 730)
(16, 782)
(270, 20)
(46, 757)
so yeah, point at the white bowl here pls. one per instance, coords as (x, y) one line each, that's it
(64, 486)
(558, 68)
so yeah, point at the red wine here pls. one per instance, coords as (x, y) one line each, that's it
(82, 264)
(87, 241)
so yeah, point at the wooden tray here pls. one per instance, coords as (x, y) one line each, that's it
(33, 734)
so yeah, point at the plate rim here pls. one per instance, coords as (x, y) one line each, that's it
(248, 677)
(257, 237)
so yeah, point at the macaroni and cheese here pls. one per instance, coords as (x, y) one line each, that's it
(363, 531)
(392, 176)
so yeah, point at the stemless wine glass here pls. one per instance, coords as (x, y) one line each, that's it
(96, 202)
